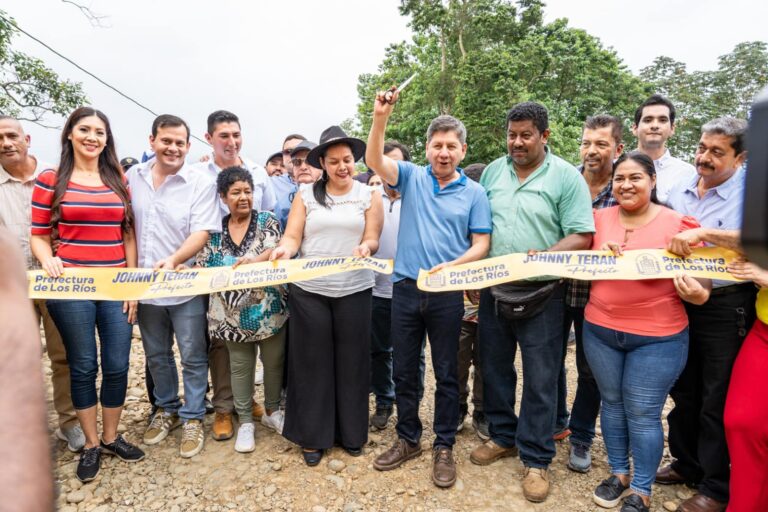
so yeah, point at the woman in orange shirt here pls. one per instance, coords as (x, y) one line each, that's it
(636, 334)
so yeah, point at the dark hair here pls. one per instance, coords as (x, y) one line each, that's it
(319, 187)
(369, 176)
(164, 120)
(530, 111)
(731, 127)
(645, 162)
(231, 175)
(294, 136)
(446, 123)
(656, 99)
(602, 121)
(110, 171)
(221, 116)
(393, 144)
(474, 171)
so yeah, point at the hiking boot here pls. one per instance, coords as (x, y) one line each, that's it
(400, 452)
(443, 467)
(245, 442)
(192, 438)
(380, 419)
(535, 484)
(73, 436)
(258, 410)
(222, 426)
(162, 423)
(489, 452)
(89, 464)
(122, 449)
(579, 458)
(610, 492)
(480, 424)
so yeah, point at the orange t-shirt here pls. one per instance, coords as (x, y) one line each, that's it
(650, 307)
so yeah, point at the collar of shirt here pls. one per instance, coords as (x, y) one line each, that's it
(460, 182)
(539, 170)
(6, 176)
(724, 190)
(605, 197)
(664, 160)
(145, 171)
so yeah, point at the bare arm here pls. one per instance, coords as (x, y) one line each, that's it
(41, 249)
(132, 261)
(374, 221)
(374, 153)
(194, 242)
(682, 242)
(574, 242)
(294, 231)
(481, 243)
(26, 475)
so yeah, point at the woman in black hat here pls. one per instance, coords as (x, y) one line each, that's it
(329, 345)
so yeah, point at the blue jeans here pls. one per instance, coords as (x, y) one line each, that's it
(439, 314)
(541, 345)
(77, 321)
(634, 374)
(188, 322)
(382, 385)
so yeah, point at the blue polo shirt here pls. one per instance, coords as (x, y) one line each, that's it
(285, 190)
(436, 225)
(720, 208)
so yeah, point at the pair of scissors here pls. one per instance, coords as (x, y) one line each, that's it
(390, 93)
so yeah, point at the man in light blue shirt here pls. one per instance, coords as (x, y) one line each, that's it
(718, 327)
(446, 221)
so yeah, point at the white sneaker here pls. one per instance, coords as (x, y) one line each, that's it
(245, 442)
(274, 421)
(259, 379)
(74, 438)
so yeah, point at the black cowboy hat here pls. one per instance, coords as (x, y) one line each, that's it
(331, 136)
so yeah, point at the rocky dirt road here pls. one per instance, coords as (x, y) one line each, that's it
(274, 477)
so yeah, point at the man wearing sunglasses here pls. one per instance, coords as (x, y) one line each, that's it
(286, 186)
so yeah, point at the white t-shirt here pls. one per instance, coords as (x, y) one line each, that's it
(387, 244)
(335, 231)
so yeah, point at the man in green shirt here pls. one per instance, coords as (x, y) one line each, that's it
(539, 202)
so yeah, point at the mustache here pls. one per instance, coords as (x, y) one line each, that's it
(705, 166)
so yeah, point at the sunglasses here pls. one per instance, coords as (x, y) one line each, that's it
(298, 162)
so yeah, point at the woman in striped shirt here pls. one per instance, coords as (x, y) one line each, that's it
(85, 206)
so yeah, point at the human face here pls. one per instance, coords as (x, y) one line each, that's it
(715, 157)
(655, 127)
(339, 163)
(287, 148)
(632, 186)
(239, 199)
(14, 143)
(395, 154)
(302, 171)
(88, 138)
(170, 146)
(375, 181)
(275, 166)
(599, 149)
(525, 144)
(226, 140)
(445, 152)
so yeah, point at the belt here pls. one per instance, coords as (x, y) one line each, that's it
(732, 288)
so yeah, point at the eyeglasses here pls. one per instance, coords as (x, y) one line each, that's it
(287, 151)
(298, 162)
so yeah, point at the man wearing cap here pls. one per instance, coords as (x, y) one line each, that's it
(448, 223)
(275, 165)
(18, 171)
(128, 162)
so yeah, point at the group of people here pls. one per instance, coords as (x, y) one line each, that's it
(327, 343)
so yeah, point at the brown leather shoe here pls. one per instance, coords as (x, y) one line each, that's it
(400, 452)
(222, 426)
(257, 411)
(535, 484)
(701, 503)
(443, 467)
(668, 476)
(489, 452)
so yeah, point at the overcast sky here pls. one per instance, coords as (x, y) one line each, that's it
(292, 65)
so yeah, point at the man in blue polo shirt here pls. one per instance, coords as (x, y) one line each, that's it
(446, 221)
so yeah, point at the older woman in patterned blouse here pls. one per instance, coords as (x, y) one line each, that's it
(243, 318)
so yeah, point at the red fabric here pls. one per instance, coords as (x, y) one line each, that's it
(89, 228)
(647, 308)
(746, 424)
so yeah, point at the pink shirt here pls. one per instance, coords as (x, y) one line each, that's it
(650, 307)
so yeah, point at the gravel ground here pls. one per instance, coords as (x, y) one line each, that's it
(274, 477)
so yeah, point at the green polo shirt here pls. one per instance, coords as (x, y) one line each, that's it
(552, 203)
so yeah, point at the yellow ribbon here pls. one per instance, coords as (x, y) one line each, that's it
(707, 262)
(144, 283)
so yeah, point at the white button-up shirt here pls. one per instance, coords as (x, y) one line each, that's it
(16, 208)
(669, 172)
(185, 203)
(263, 194)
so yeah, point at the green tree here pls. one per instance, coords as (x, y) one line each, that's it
(28, 89)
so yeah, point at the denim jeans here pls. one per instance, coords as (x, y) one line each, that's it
(634, 374)
(439, 314)
(586, 403)
(188, 322)
(77, 321)
(541, 345)
(382, 385)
